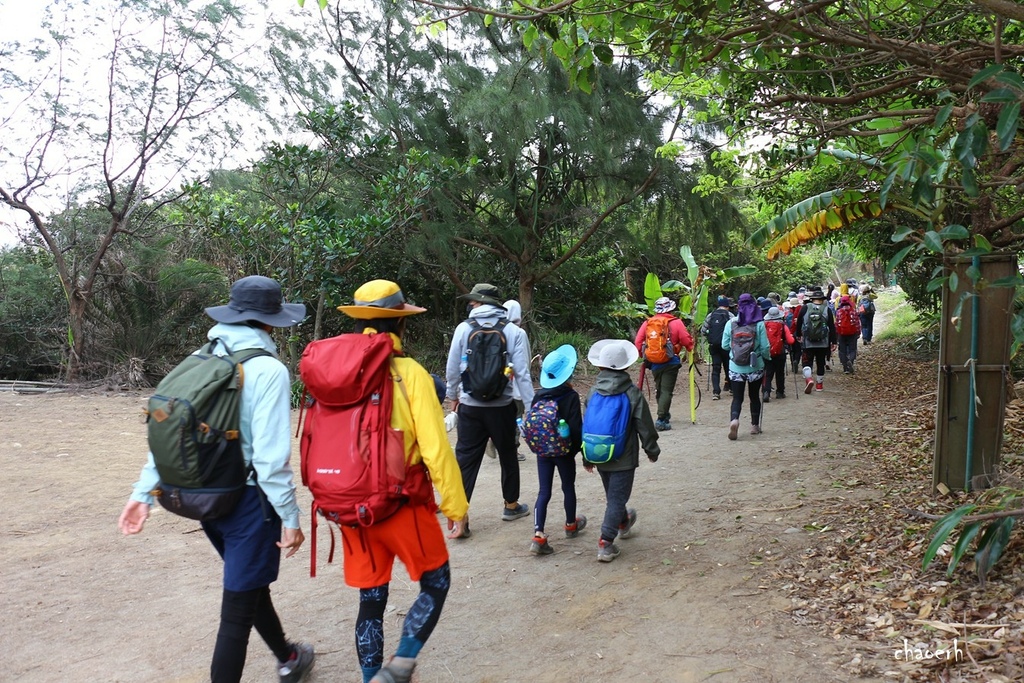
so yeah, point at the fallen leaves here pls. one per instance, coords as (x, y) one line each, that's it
(859, 580)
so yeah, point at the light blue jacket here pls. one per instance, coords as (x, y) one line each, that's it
(516, 344)
(265, 423)
(760, 353)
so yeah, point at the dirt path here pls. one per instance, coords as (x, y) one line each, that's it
(684, 602)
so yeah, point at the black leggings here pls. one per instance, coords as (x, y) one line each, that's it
(240, 611)
(566, 466)
(754, 391)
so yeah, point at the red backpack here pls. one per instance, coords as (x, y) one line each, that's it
(847, 321)
(773, 328)
(657, 344)
(353, 462)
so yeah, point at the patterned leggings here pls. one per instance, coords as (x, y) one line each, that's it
(419, 621)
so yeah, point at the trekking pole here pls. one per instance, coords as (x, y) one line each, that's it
(760, 418)
(796, 379)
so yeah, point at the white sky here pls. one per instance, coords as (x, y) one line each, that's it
(21, 20)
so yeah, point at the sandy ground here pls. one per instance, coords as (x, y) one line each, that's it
(684, 602)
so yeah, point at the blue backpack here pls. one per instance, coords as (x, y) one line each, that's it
(540, 429)
(605, 426)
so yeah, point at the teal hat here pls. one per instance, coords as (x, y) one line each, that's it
(558, 366)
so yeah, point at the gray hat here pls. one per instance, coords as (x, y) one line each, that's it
(258, 298)
(773, 314)
(485, 294)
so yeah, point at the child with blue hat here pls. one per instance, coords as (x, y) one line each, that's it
(553, 429)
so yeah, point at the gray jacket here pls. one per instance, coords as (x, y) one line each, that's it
(641, 427)
(518, 354)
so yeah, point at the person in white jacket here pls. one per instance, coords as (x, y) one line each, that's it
(494, 419)
(250, 538)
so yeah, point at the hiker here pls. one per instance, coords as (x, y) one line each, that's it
(712, 328)
(779, 339)
(816, 328)
(866, 311)
(480, 389)
(747, 342)
(612, 357)
(791, 318)
(265, 521)
(514, 313)
(848, 332)
(412, 533)
(554, 431)
(660, 340)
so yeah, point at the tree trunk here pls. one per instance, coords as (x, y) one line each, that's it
(76, 329)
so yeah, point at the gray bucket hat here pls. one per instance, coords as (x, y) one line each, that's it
(258, 298)
(485, 294)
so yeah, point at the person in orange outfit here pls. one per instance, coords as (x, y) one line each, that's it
(413, 534)
(666, 372)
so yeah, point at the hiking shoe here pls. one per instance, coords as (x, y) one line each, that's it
(809, 387)
(606, 551)
(716, 397)
(573, 530)
(540, 546)
(766, 398)
(393, 674)
(466, 533)
(780, 394)
(626, 530)
(819, 387)
(662, 425)
(520, 457)
(296, 668)
(520, 510)
(734, 427)
(491, 450)
(755, 429)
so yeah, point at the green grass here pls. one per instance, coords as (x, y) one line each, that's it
(900, 320)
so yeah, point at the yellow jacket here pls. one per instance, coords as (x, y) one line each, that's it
(426, 440)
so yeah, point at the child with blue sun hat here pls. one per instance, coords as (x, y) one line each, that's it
(554, 432)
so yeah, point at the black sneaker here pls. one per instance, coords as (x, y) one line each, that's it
(296, 668)
(509, 514)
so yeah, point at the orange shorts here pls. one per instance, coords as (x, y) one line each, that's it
(413, 535)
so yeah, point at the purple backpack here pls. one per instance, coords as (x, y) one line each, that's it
(540, 429)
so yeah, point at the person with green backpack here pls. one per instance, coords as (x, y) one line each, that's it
(249, 511)
(816, 332)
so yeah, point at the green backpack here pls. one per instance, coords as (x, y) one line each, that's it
(193, 428)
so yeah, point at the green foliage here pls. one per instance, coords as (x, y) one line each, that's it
(989, 531)
(548, 339)
(33, 314)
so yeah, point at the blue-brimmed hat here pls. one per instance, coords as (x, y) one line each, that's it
(558, 366)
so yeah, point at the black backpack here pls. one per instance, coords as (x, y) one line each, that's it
(716, 325)
(486, 358)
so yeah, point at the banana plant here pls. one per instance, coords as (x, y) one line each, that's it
(693, 303)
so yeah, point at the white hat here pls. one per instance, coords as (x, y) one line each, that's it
(614, 354)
